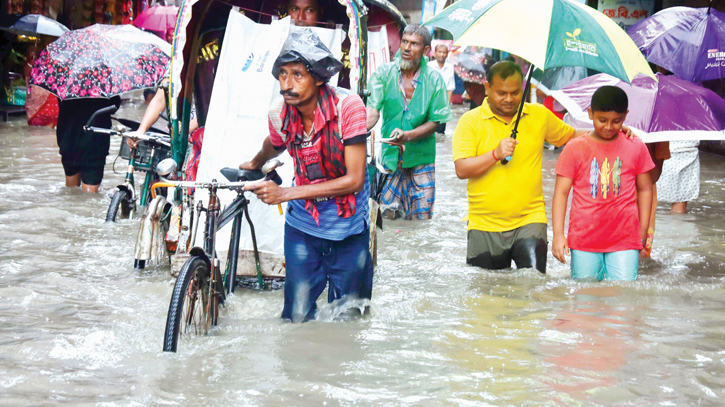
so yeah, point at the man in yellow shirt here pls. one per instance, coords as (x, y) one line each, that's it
(506, 214)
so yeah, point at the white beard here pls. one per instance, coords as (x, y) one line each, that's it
(406, 65)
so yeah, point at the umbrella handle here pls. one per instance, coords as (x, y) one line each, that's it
(521, 109)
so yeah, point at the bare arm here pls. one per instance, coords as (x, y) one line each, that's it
(353, 181)
(372, 118)
(474, 167)
(560, 247)
(267, 153)
(450, 95)
(644, 203)
(153, 111)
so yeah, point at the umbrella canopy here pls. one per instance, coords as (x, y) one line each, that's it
(158, 19)
(469, 64)
(558, 78)
(35, 24)
(551, 33)
(101, 61)
(689, 42)
(663, 110)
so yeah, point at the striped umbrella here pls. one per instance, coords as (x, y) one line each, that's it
(547, 33)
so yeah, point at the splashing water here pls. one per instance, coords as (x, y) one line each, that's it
(78, 325)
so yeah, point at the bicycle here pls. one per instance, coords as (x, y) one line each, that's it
(150, 150)
(200, 287)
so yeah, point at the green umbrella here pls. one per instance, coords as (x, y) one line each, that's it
(547, 33)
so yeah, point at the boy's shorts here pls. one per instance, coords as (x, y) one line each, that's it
(621, 265)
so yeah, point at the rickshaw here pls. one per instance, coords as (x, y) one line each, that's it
(197, 46)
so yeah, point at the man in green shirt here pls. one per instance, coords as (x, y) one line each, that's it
(412, 99)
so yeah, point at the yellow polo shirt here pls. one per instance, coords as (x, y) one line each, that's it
(509, 196)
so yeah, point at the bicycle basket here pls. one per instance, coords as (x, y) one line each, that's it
(144, 160)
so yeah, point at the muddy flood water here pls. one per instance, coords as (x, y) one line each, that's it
(80, 326)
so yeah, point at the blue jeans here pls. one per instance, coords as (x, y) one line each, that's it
(621, 265)
(311, 262)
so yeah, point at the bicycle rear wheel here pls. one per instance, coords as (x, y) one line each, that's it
(120, 205)
(194, 304)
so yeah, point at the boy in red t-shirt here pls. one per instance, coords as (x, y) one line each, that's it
(612, 199)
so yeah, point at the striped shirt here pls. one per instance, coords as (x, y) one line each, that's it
(351, 119)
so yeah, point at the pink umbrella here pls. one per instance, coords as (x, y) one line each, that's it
(158, 19)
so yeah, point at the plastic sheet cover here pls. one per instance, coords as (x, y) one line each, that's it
(304, 46)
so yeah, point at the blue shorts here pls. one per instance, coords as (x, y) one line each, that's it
(621, 265)
(312, 261)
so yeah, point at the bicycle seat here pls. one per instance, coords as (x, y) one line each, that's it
(235, 174)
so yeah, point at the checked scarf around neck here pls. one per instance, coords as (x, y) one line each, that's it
(328, 143)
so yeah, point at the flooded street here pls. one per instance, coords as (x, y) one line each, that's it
(80, 326)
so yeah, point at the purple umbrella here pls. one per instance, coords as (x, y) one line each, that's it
(663, 110)
(689, 42)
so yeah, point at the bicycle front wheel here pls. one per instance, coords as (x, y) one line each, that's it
(193, 308)
(120, 205)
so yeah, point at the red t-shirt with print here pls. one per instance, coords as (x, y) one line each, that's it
(604, 217)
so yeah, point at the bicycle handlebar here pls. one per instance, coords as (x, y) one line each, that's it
(149, 136)
(198, 184)
(109, 109)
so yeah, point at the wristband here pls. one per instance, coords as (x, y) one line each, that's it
(493, 153)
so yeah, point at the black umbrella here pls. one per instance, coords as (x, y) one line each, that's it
(35, 24)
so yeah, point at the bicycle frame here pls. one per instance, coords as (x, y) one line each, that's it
(129, 181)
(239, 210)
(217, 219)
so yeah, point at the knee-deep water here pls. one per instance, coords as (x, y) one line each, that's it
(80, 326)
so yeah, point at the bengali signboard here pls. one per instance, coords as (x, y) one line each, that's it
(627, 13)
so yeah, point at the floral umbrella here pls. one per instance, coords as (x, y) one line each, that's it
(101, 61)
(469, 64)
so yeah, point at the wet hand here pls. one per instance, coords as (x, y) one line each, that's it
(131, 142)
(398, 137)
(560, 248)
(249, 165)
(267, 191)
(506, 148)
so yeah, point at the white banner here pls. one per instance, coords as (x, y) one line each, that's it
(237, 122)
(378, 54)
(627, 13)
(430, 9)
(378, 49)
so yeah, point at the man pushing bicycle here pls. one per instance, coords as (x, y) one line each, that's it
(327, 221)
